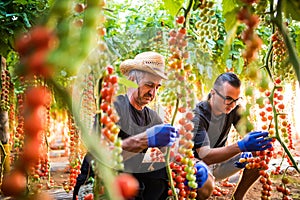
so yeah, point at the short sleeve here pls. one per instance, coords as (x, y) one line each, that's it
(200, 126)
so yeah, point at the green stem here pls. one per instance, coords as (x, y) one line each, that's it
(167, 157)
(278, 137)
(269, 53)
(175, 112)
(266, 66)
(187, 10)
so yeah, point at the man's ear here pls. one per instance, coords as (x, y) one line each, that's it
(212, 92)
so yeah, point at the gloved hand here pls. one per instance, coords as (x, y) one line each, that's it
(245, 155)
(201, 174)
(255, 141)
(161, 135)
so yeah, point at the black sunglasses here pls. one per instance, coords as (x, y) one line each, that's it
(227, 100)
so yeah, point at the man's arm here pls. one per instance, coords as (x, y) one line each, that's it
(133, 145)
(253, 141)
(217, 155)
(161, 135)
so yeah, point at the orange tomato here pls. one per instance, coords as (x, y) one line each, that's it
(14, 184)
(127, 184)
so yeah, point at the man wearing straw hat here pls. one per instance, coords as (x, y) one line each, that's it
(141, 127)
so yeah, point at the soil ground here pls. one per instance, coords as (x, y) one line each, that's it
(60, 175)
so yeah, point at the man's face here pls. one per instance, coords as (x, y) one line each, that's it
(147, 88)
(225, 98)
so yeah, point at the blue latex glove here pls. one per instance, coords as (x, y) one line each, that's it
(161, 135)
(255, 141)
(245, 155)
(201, 174)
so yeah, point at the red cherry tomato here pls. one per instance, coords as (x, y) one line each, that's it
(127, 184)
(180, 19)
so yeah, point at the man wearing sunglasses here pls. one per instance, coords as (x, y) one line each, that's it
(212, 123)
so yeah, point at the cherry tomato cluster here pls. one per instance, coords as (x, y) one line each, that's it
(266, 185)
(185, 150)
(79, 8)
(109, 116)
(285, 128)
(283, 189)
(206, 25)
(34, 48)
(178, 93)
(219, 191)
(34, 122)
(184, 180)
(279, 52)
(177, 44)
(19, 135)
(39, 174)
(34, 112)
(88, 107)
(5, 89)
(74, 155)
(179, 84)
(249, 37)
(156, 155)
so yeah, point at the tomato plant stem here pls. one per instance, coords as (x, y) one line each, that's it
(167, 157)
(187, 12)
(277, 135)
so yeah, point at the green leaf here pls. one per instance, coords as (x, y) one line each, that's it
(229, 39)
(230, 20)
(240, 65)
(291, 8)
(172, 6)
(227, 6)
(298, 41)
(196, 5)
(127, 83)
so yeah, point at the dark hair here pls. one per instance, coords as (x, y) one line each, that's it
(229, 77)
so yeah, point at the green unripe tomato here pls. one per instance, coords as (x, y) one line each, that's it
(249, 91)
(209, 4)
(193, 184)
(205, 11)
(260, 101)
(211, 13)
(192, 78)
(214, 21)
(205, 19)
(190, 177)
(198, 23)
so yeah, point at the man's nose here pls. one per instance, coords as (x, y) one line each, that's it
(152, 92)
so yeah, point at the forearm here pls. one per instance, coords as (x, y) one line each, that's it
(133, 145)
(220, 154)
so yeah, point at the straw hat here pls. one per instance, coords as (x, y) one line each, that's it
(151, 62)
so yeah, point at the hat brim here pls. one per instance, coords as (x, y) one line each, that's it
(131, 64)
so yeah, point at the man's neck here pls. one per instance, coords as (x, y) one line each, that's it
(133, 102)
(214, 111)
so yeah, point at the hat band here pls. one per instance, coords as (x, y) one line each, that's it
(154, 66)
